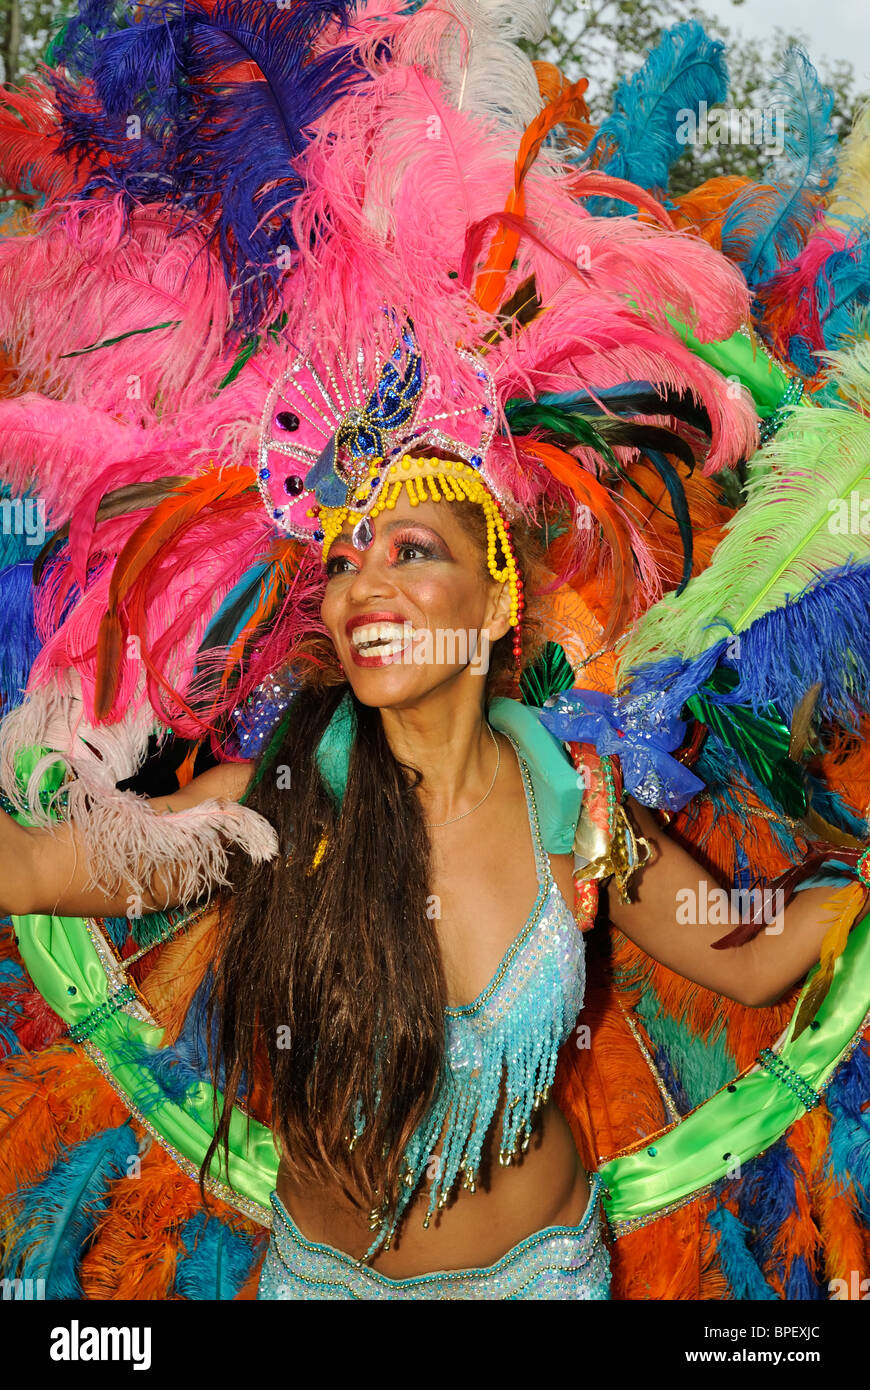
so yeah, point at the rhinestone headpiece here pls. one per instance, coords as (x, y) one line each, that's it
(324, 424)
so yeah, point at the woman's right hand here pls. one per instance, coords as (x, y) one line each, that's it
(48, 870)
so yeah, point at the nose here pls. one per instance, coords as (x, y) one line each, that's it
(372, 580)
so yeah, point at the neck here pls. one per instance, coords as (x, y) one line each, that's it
(448, 740)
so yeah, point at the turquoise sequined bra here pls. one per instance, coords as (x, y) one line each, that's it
(506, 1041)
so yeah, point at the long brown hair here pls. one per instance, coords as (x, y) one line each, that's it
(335, 970)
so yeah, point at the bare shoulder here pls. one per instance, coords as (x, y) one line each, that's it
(228, 781)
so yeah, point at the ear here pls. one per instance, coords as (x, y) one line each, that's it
(498, 610)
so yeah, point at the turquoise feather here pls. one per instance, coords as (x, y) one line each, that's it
(640, 139)
(767, 226)
(216, 1261)
(55, 1217)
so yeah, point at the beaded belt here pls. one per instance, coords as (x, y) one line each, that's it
(559, 1263)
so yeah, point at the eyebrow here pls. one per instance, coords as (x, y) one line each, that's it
(346, 535)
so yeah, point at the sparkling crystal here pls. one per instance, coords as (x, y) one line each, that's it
(363, 534)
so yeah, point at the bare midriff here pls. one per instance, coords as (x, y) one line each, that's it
(548, 1186)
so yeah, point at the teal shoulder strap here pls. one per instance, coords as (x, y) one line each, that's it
(558, 789)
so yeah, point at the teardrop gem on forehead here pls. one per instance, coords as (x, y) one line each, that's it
(363, 534)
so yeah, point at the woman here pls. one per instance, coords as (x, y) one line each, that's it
(446, 354)
(414, 909)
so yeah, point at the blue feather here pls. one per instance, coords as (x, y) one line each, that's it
(163, 1074)
(117, 929)
(802, 1282)
(848, 1155)
(238, 607)
(639, 141)
(715, 767)
(220, 152)
(843, 287)
(192, 1041)
(216, 1261)
(744, 1277)
(19, 643)
(55, 1216)
(13, 983)
(664, 1063)
(820, 636)
(765, 1199)
(767, 225)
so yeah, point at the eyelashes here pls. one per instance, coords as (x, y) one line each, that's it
(412, 539)
(403, 540)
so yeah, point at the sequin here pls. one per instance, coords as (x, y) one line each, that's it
(506, 1040)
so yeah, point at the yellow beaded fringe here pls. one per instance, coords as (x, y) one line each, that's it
(436, 480)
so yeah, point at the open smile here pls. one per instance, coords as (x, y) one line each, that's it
(380, 643)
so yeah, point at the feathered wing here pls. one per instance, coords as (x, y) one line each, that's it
(794, 545)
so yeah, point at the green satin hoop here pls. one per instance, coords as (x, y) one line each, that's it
(743, 1119)
(71, 969)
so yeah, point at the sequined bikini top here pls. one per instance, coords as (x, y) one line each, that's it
(508, 1036)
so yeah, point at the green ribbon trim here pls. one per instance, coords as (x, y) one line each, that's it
(65, 967)
(736, 1125)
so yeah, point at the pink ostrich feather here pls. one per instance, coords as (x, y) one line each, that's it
(52, 447)
(118, 277)
(585, 342)
(187, 588)
(792, 297)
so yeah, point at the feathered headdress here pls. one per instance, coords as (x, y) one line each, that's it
(297, 238)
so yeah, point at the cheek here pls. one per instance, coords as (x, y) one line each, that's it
(455, 602)
(330, 608)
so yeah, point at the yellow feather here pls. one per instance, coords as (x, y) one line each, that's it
(850, 197)
(845, 905)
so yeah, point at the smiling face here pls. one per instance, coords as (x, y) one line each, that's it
(406, 615)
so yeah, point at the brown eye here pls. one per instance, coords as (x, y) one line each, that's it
(334, 564)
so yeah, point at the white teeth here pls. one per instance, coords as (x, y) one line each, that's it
(394, 635)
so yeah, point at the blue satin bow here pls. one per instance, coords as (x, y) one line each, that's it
(638, 732)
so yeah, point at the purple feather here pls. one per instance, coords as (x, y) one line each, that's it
(221, 152)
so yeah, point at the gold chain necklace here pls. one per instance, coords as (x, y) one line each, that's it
(436, 825)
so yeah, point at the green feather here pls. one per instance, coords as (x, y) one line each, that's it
(761, 741)
(119, 338)
(784, 536)
(523, 416)
(547, 675)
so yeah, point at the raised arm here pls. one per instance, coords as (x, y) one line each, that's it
(662, 922)
(49, 870)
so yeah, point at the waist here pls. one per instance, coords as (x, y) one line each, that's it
(558, 1262)
(547, 1187)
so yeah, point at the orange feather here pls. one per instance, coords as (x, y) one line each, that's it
(490, 286)
(588, 491)
(159, 527)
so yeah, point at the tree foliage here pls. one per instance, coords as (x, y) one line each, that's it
(26, 27)
(606, 40)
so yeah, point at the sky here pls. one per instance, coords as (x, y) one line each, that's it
(834, 28)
